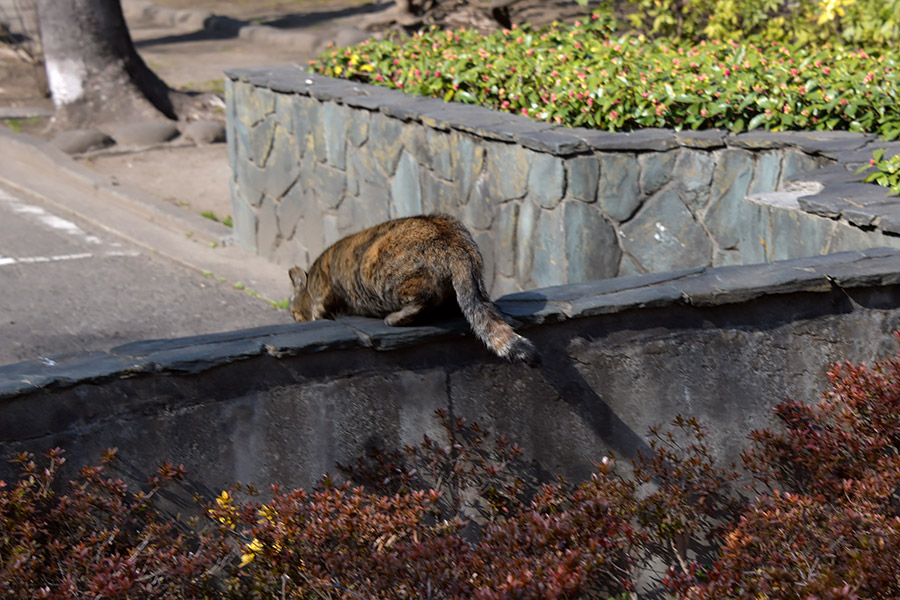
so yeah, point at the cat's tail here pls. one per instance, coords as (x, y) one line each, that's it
(483, 316)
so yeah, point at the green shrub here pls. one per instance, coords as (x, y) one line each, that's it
(857, 22)
(886, 173)
(582, 76)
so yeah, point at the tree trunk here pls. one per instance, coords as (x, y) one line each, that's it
(95, 75)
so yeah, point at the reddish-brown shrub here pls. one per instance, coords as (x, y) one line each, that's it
(461, 518)
(96, 538)
(824, 523)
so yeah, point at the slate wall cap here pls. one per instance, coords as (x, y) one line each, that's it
(698, 287)
(640, 139)
(704, 139)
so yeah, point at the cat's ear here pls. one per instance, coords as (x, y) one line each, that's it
(298, 277)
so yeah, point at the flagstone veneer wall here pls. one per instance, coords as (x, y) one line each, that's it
(315, 158)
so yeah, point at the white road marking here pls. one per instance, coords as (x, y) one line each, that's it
(48, 219)
(8, 260)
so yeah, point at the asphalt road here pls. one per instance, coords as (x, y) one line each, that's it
(68, 285)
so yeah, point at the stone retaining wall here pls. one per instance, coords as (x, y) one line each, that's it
(285, 403)
(316, 158)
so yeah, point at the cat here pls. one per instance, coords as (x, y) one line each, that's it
(401, 269)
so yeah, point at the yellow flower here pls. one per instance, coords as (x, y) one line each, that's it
(266, 514)
(226, 504)
(338, 69)
(367, 68)
(253, 548)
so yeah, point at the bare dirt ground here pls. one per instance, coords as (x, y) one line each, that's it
(197, 177)
(193, 177)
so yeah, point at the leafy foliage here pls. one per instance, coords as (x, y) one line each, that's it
(886, 171)
(858, 22)
(582, 75)
(97, 540)
(826, 524)
(461, 518)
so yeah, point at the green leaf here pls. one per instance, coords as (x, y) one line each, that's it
(756, 121)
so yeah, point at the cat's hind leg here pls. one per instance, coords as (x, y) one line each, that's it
(416, 295)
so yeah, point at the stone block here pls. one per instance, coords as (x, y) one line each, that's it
(362, 166)
(438, 195)
(486, 246)
(373, 205)
(618, 192)
(364, 211)
(250, 179)
(305, 111)
(250, 106)
(755, 236)
(330, 231)
(311, 234)
(261, 137)
(329, 184)
(652, 139)
(504, 285)
(439, 149)
(406, 193)
(284, 110)
(549, 264)
(336, 122)
(760, 140)
(731, 182)
(267, 235)
(547, 180)
(415, 143)
(244, 218)
(693, 176)
(358, 133)
(705, 139)
(829, 142)
(767, 173)
(656, 170)
(283, 165)
(592, 250)
(290, 253)
(296, 203)
(798, 165)
(664, 236)
(583, 176)
(847, 237)
(506, 171)
(796, 234)
(385, 142)
(467, 159)
(525, 228)
(478, 212)
(557, 142)
(265, 101)
(505, 234)
(315, 143)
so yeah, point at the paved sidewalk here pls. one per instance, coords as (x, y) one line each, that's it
(85, 264)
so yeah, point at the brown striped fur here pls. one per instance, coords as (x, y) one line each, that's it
(401, 269)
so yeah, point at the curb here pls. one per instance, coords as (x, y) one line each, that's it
(37, 169)
(154, 209)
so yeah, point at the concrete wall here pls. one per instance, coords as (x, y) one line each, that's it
(315, 158)
(285, 403)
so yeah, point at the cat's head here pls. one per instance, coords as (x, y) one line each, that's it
(301, 303)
